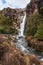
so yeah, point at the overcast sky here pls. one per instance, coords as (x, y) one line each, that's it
(13, 3)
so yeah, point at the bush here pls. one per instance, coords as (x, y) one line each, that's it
(39, 33)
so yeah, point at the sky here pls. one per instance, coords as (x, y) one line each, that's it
(13, 3)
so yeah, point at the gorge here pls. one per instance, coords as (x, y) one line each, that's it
(21, 35)
(21, 42)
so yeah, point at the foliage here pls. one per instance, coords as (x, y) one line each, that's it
(39, 33)
(32, 24)
(40, 7)
(5, 24)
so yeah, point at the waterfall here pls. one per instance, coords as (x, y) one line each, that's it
(21, 43)
(22, 25)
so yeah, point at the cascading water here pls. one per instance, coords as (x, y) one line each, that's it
(20, 36)
(21, 43)
(22, 25)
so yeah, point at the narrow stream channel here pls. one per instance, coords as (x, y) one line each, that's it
(22, 44)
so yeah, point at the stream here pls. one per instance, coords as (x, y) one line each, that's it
(21, 42)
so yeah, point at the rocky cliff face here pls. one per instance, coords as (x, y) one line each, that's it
(32, 7)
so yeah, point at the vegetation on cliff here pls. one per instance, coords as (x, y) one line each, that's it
(39, 33)
(6, 24)
(34, 24)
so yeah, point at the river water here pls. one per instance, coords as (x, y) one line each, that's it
(22, 44)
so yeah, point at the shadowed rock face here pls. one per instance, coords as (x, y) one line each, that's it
(12, 56)
(32, 7)
(35, 6)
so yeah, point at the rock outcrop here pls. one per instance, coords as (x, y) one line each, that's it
(32, 7)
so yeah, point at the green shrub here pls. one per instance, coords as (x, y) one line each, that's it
(39, 33)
